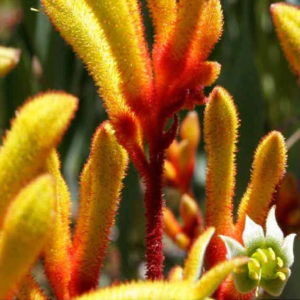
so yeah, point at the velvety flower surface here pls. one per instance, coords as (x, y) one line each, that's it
(286, 19)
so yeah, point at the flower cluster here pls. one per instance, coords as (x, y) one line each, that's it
(142, 92)
(35, 214)
(220, 136)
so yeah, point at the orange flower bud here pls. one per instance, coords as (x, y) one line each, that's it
(286, 20)
(26, 146)
(176, 274)
(190, 129)
(191, 216)
(174, 230)
(170, 173)
(220, 134)
(25, 231)
(267, 170)
(100, 186)
(181, 156)
(57, 253)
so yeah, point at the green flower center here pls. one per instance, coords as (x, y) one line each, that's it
(265, 264)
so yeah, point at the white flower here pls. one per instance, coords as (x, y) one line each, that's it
(271, 256)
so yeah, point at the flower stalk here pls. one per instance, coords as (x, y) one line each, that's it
(154, 213)
(141, 92)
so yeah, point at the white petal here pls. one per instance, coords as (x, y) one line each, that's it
(233, 247)
(253, 235)
(288, 249)
(274, 234)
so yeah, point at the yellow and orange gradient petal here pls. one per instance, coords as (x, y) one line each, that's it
(57, 253)
(267, 171)
(25, 230)
(100, 186)
(220, 135)
(286, 18)
(26, 145)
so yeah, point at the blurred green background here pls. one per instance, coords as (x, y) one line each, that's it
(254, 71)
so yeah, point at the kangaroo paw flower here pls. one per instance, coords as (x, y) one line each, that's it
(163, 13)
(286, 20)
(57, 253)
(174, 230)
(100, 186)
(181, 155)
(26, 146)
(25, 231)
(220, 134)
(267, 171)
(270, 256)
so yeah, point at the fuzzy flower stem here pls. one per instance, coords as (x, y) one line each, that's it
(154, 212)
(154, 226)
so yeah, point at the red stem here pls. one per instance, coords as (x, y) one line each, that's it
(154, 215)
(153, 176)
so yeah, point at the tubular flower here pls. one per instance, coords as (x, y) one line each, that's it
(183, 234)
(30, 199)
(187, 282)
(26, 147)
(220, 134)
(100, 186)
(28, 196)
(174, 230)
(25, 231)
(57, 256)
(181, 156)
(110, 39)
(142, 91)
(286, 18)
(270, 256)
